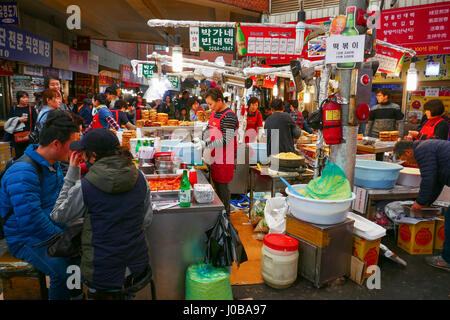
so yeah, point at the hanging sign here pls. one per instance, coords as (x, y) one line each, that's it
(23, 46)
(424, 29)
(391, 60)
(174, 81)
(217, 39)
(9, 13)
(78, 61)
(345, 49)
(148, 70)
(311, 50)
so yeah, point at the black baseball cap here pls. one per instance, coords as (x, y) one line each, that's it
(97, 140)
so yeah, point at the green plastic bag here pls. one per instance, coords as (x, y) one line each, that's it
(331, 185)
(205, 282)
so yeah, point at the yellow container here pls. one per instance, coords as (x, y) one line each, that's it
(367, 250)
(416, 238)
(439, 235)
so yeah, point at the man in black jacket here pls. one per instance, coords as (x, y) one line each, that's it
(280, 130)
(433, 159)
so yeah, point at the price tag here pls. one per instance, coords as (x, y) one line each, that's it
(345, 49)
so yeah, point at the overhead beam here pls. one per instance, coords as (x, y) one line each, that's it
(87, 19)
(222, 6)
(222, 14)
(147, 9)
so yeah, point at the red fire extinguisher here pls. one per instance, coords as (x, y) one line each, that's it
(332, 127)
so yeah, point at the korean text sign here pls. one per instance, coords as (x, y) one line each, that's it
(218, 39)
(23, 46)
(424, 29)
(9, 13)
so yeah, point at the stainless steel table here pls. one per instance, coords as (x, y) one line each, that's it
(177, 239)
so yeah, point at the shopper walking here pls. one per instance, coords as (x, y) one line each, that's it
(21, 121)
(52, 82)
(51, 101)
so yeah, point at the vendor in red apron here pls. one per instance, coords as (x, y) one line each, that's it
(435, 127)
(102, 116)
(222, 144)
(255, 127)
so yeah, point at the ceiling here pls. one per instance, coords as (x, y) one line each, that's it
(126, 20)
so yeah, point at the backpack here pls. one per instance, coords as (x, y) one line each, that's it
(9, 163)
(34, 134)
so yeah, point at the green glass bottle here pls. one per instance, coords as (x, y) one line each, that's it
(184, 195)
(146, 143)
(349, 30)
(240, 41)
(138, 145)
(399, 67)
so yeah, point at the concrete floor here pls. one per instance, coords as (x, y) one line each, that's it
(417, 281)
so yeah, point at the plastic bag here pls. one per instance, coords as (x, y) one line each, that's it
(257, 212)
(395, 210)
(204, 282)
(275, 214)
(331, 185)
(262, 226)
(223, 244)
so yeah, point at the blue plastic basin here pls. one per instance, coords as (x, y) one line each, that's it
(376, 174)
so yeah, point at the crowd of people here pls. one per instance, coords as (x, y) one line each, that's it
(77, 170)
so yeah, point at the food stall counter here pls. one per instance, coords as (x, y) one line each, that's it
(177, 239)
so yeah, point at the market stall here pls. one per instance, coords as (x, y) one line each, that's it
(177, 239)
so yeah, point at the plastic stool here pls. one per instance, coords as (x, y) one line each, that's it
(20, 280)
(133, 284)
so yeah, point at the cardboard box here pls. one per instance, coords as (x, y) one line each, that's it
(439, 235)
(367, 251)
(357, 270)
(416, 238)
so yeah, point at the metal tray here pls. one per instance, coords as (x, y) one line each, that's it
(163, 176)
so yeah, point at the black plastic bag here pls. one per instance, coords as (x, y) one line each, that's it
(223, 244)
(67, 243)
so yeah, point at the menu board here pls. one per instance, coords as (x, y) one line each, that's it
(424, 29)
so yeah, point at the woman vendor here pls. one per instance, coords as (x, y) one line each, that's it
(255, 124)
(435, 127)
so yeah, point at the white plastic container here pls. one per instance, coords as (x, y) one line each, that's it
(409, 177)
(318, 211)
(365, 228)
(279, 260)
(203, 193)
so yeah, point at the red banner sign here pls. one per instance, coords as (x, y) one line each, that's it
(390, 60)
(285, 59)
(424, 29)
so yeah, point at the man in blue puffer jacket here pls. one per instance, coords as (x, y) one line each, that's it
(433, 158)
(32, 201)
